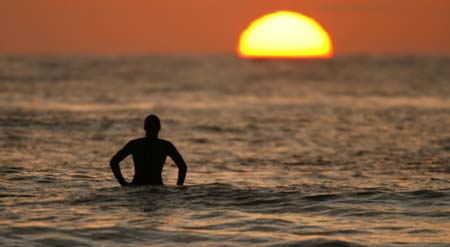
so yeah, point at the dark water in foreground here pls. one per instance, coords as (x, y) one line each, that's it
(349, 152)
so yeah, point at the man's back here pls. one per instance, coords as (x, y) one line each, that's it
(149, 155)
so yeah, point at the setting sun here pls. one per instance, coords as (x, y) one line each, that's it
(285, 34)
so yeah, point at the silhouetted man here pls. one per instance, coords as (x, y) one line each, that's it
(149, 155)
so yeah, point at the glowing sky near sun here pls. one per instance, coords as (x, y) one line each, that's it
(205, 26)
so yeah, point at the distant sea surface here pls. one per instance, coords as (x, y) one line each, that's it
(353, 151)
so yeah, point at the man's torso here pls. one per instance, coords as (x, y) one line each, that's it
(149, 156)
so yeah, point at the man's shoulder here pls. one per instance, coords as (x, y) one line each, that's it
(135, 141)
(144, 140)
(165, 142)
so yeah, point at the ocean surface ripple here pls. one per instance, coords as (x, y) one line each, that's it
(353, 151)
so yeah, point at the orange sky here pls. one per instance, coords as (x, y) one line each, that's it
(214, 26)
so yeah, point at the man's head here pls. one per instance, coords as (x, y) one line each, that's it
(152, 125)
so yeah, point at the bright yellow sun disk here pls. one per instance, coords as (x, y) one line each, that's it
(285, 34)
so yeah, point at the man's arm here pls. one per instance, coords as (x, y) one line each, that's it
(116, 159)
(182, 168)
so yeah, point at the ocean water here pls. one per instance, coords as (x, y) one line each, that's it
(353, 151)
